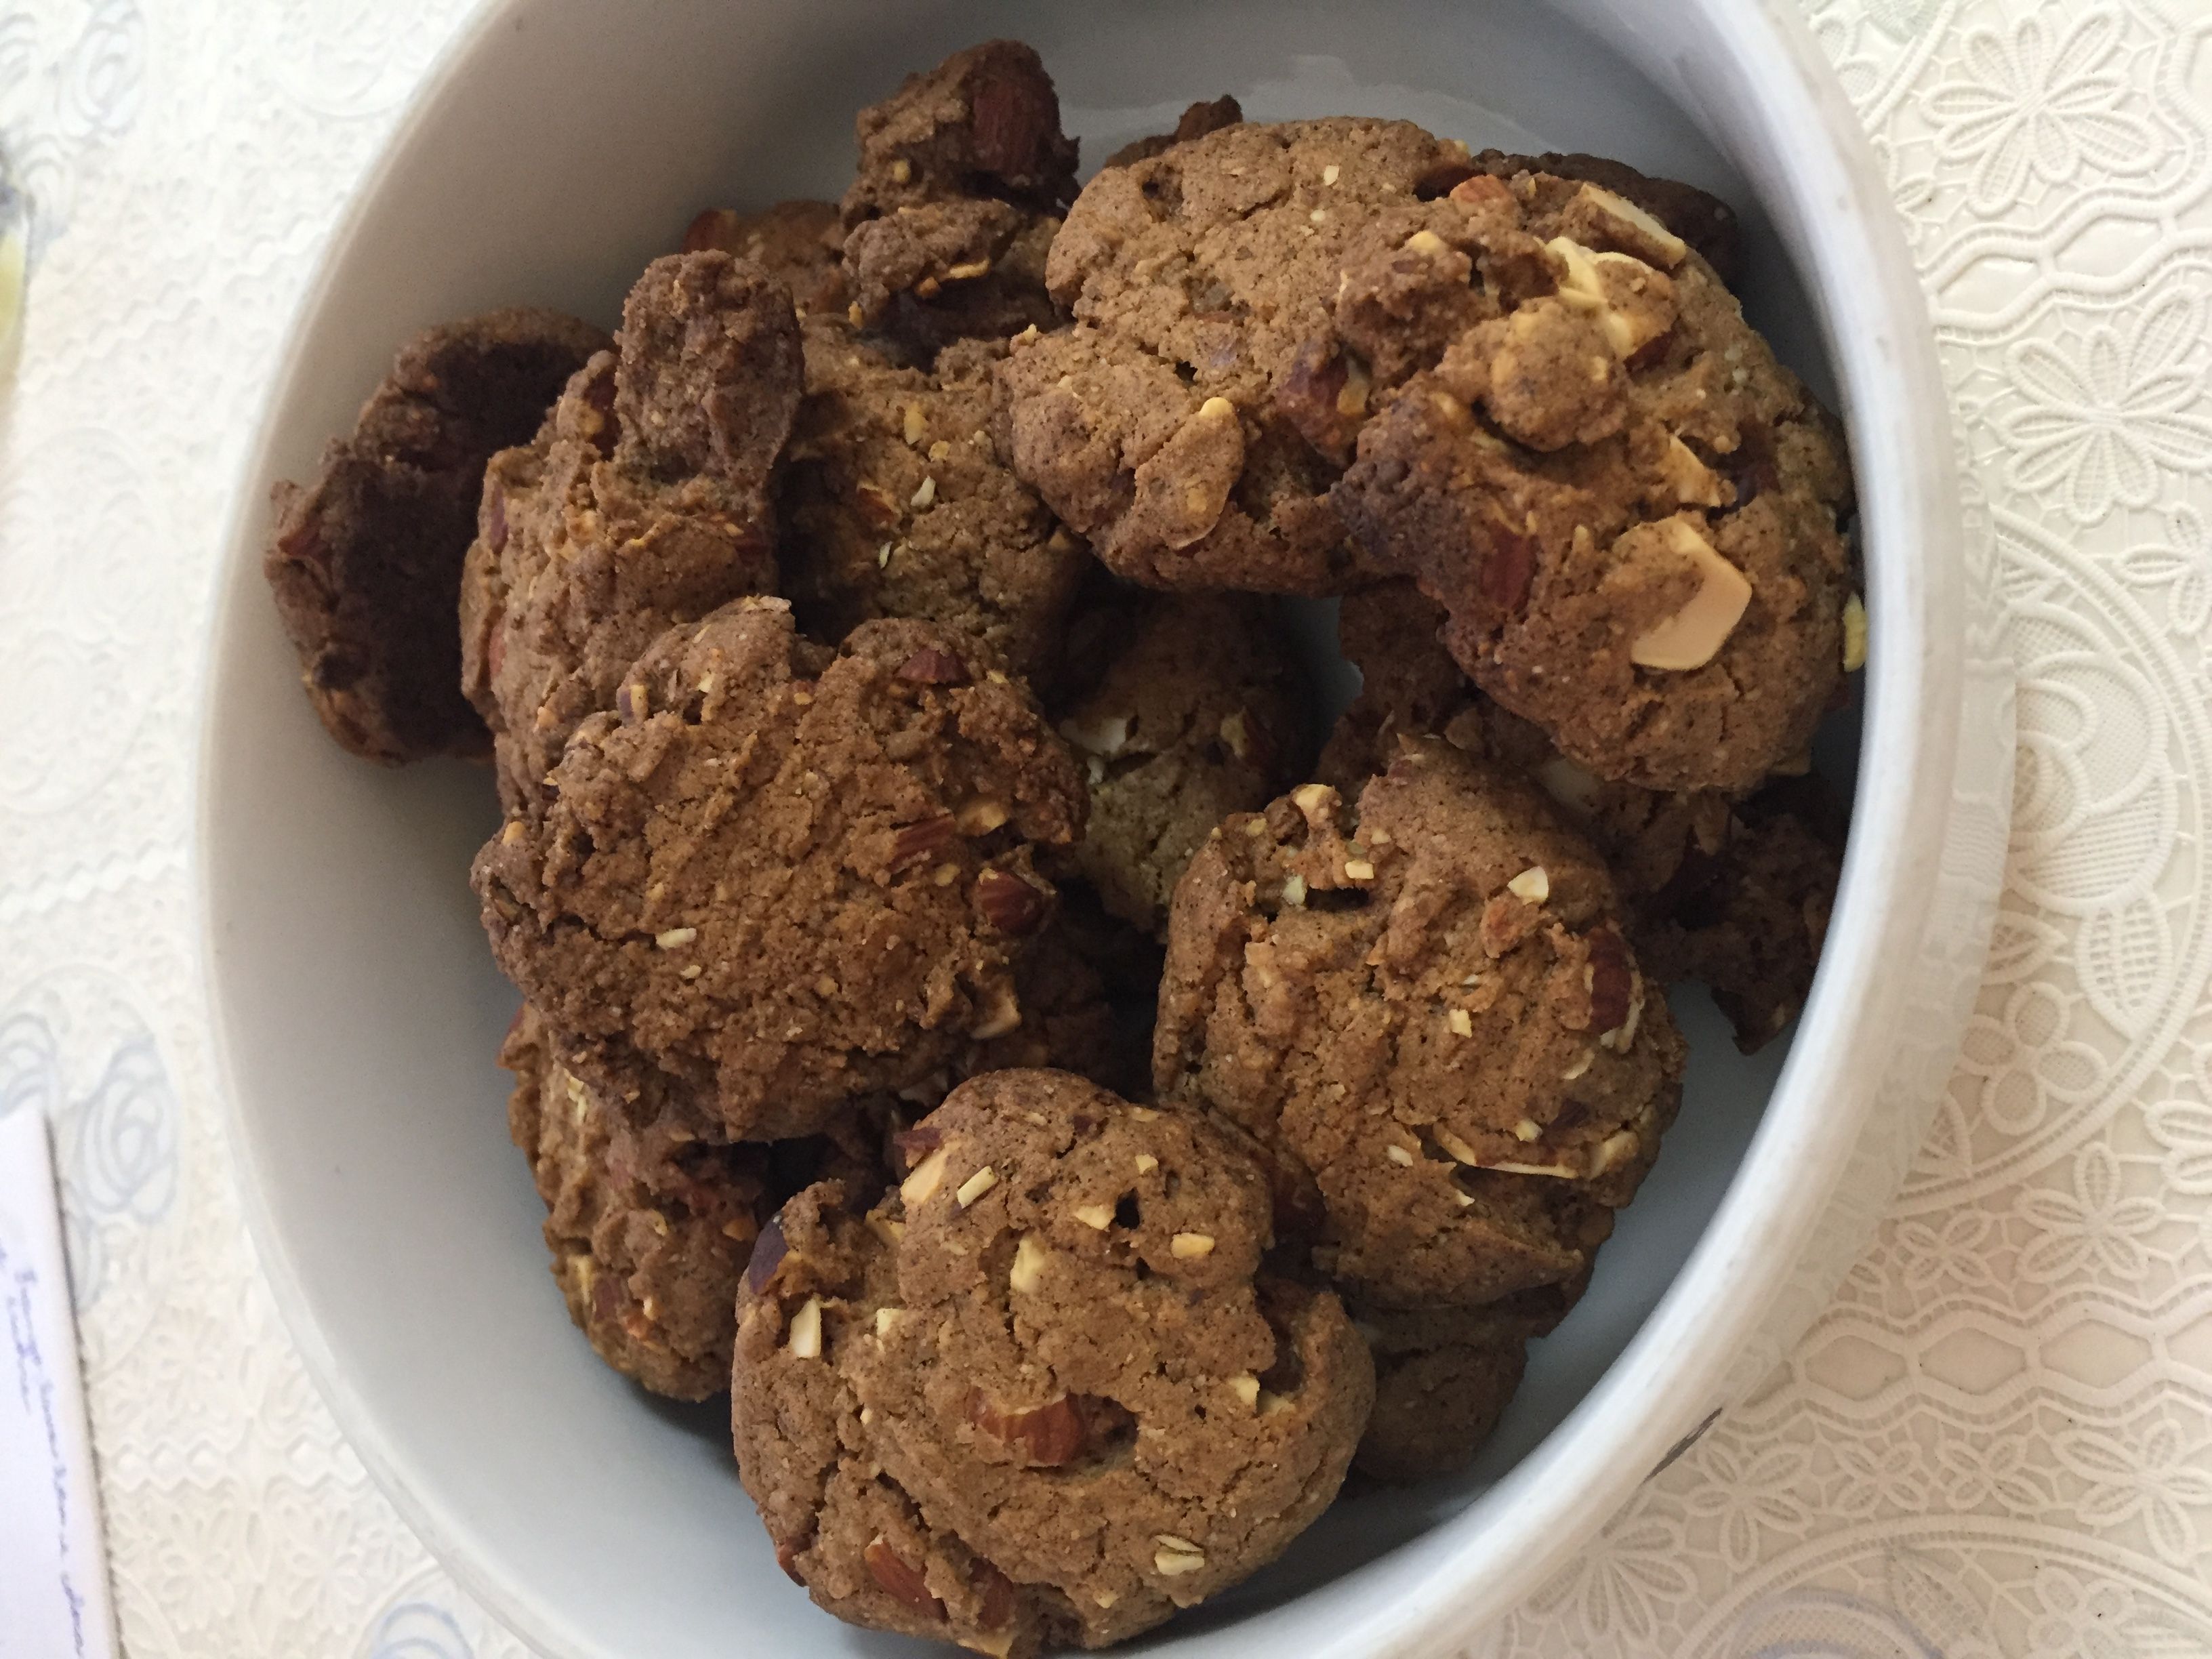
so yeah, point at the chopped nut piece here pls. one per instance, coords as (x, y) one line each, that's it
(887, 1317)
(929, 1175)
(1100, 1216)
(672, 939)
(1168, 1541)
(1615, 1148)
(1358, 870)
(1106, 735)
(1456, 1148)
(1582, 1064)
(1636, 231)
(1313, 798)
(1168, 1563)
(980, 816)
(899, 1578)
(1855, 635)
(917, 843)
(1330, 174)
(1695, 483)
(804, 1340)
(916, 424)
(1533, 885)
(1427, 244)
(1143, 1113)
(1694, 635)
(1398, 1154)
(1005, 1015)
(975, 1186)
(1190, 1246)
(1294, 890)
(1013, 907)
(924, 495)
(1029, 1259)
(1559, 1171)
(1046, 1436)
(1147, 1163)
(1461, 1022)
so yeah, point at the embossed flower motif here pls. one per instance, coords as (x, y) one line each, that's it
(2159, 1472)
(1975, 1472)
(105, 71)
(2184, 1128)
(1879, 1476)
(2023, 108)
(1956, 1250)
(1623, 1585)
(2183, 567)
(418, 1630)
(1749, 1490)
(2092, 1225)
(2098, 425)
(2024, 1063)
(2079, 1620)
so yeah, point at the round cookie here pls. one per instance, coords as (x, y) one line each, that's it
(1627, 506)
(1733, 892)
(1071, 1407)
(365, 562)
(1181, 424)
(964, 173)
(1197, 715)
(894, 503)
(1443, 1378)
(644, 502)
(799, 243)
(780, 879)
(1430, 1008)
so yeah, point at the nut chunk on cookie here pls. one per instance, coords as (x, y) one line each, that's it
(643, 502)
(963, 173)
(366, 561)
(895, 504)
(1045, 1394)
(783, 878)
(1197, 716)
(1430, 1007)
(1627, 506)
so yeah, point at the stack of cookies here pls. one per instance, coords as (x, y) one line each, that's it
(978, 1013)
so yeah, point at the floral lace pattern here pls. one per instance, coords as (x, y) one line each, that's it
(1998, 1439)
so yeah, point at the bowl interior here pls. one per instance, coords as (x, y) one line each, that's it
(565, 144)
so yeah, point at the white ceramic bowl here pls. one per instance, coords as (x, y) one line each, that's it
(560, 145)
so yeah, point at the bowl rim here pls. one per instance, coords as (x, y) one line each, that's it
(1877, 335)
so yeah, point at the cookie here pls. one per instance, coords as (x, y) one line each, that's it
(783, 878)
(963, 173)
(643, 503)
(894, 503)
(365, 562)
(1209, 115)
(1628, 507)
(1063, 1301)
(1734, 892)
(648, 1235)
(1443, 1378)
(1198, 714)
(799, 243)
(1181, 423)
(1704, 221)
(1429, 1006)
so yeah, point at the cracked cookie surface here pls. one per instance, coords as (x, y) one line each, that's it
(1045, 1394)
(785, 878)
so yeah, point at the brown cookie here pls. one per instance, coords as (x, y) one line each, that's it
(1198, 714)
(1209, 115)
(1628, 507)
(1704, 221)
(1184, 424)
(1443, 1378)
(643, 503)
(1430, 1007)
(365, 562)
(800, 243)
(785, 879)
(963, 173)
(1733, 892)
(649, 1228)
(1073, 1304)
(894, 503)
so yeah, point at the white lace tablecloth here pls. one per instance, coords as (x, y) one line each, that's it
(1999, 1440)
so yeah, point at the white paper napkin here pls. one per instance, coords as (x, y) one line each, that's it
(53, 1571)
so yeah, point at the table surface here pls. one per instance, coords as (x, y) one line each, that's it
(1998, 1442)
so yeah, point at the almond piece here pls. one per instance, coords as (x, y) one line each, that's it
(1189, 1247)
(804, 1337)
(1617, 222)
(975, 1186)
(1855, 635)
(918, 843)
(930, 667)
(1014, 908)
(1694, 636)
(1045, 1436)
(928, 1176)
(1532, 886)
(768, 1251)
(1183, 489)
(1029, 1260)
(899, 1578)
